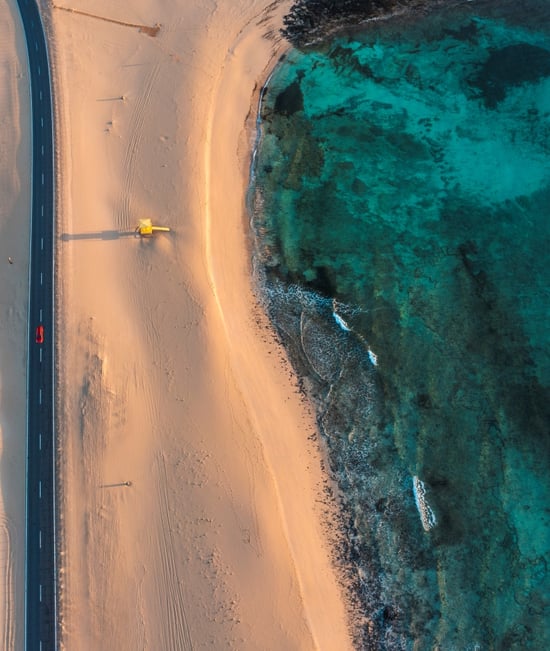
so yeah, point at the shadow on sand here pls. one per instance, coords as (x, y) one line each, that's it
(97, 235)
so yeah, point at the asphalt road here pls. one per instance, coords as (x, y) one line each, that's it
(40, 559)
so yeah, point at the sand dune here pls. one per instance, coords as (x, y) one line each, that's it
(169, 379)
(14, 246)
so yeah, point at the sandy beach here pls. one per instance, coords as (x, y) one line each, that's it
(14, 253)
(192, 506)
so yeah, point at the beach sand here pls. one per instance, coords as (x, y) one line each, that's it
(193, 502)
(14, 245)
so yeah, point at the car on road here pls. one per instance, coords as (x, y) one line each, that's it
(39, 334)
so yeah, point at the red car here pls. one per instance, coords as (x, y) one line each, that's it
(40, 334)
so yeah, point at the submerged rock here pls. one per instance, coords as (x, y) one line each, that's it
(290, 100)
(509, 67)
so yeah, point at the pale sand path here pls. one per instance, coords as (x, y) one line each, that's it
(168, 377)
(14, 296)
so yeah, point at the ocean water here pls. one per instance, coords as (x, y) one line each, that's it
(400, 199)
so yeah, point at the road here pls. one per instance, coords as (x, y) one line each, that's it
(40, 539)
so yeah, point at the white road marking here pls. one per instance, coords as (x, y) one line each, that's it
(40, 314)
(40, 591)
(42, 178)
(39, 71)
(41, 122)
(40, 489)
(40, 442)
(40, 95)
(41, 278)
(41, 355)
(42, 150)
(42, 243)
(36, 46)
(42, 210)
(39, 396)
(40, 539)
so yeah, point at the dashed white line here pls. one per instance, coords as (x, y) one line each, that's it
(41, 278)
(40, 539)
(39, 71)
(40, 591)
(41, 355)
(41, 122)
(39, 489)
(42, 210)
(36, 46)
(40, 95)
(40, 314)
(40, 442)
(42, 150)
(39, 396)
(41, 243)
(42, 178)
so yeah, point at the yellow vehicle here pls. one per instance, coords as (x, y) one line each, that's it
(146, 228)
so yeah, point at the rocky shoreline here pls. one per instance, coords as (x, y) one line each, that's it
(310, 22)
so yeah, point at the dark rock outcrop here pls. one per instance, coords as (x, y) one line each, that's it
(310, 21)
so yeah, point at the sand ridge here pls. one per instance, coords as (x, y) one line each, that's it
(190, 486)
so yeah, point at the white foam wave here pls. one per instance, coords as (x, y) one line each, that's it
(341, 322)
(427, 516)
(344, 325)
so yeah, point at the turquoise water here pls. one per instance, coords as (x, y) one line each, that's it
(400, 199)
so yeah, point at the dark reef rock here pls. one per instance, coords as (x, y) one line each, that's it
(310, 21)
(345, 58)
(290, 100)
(509, 67)
(468, 32)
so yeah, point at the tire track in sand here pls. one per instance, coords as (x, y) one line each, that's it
(141, 111)
(175, 631)
(7, 624)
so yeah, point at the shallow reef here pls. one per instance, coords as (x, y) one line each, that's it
(400, 209)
